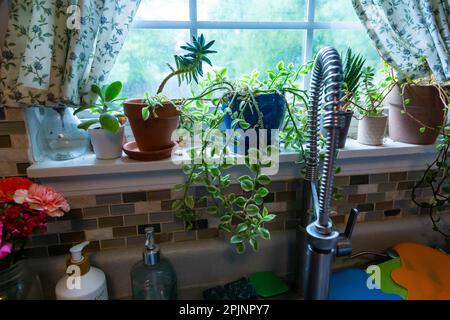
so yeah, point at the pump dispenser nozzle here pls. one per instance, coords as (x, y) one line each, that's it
(76, 252)
(151, 250)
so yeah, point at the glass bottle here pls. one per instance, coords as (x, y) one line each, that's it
(154, 277)
(59, 137)
(18, 283)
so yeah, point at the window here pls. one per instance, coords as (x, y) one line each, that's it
(249, 34)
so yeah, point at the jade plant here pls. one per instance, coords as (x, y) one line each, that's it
(187, 68)
(107, 109)
(242, 212)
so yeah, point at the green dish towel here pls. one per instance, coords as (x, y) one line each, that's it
(267, 284)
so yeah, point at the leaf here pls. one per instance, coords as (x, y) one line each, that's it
(80, 109)
(252, 210)
(113, 90)
(212, 209)
(215, 172)
(262, 192)
(236, 239)
(241, 227)
(86, 124)
(225, 218)
(254, 244)
(263, 179)
(240, 201)
(240, 248)
(246, 183)
(145, 113)
(96, 89)
(189, 201)
(109, 123)
(422, 130)
(177, 204)
(265, 234)
(269, 217)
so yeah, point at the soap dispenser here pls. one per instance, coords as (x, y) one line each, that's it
(154, 277)
(81, 282)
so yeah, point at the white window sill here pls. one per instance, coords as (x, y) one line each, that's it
(88, 165)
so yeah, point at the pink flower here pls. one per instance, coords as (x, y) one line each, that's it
(5, 248)
(43, 198)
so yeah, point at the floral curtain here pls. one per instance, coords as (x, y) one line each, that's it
(412, 36)
(54, 50)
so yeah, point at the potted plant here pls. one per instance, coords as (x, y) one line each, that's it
(106, 129)
(352, 73)
(242, 214)
(369, 104)
(24, 209)
(416, 112)
(154, 118)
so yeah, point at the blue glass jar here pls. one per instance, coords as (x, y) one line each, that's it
(58, 137)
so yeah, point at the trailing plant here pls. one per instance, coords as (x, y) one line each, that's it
(187, 67)
(242, 212)
(107, 111)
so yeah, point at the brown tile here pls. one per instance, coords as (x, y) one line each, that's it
(138, 241)
(415, 175)
(135, 219)
(98, 234)
(62, 249)
(83, 224)
(200, 224)
(142, 227)
(72, 237)
(38, 252)
(108, 199)
(374, 216)
(22, 168)
(164, 237)
(379, 178)
(2, 113)
(93, 246)
(178, 225)
(44, 240)
(384, 187)
(110, 222)
(285, 196)
(406, 185)
(339, 219)
(340, 181)
(391, 213)
(208, 233)
(5, 141)
(275, 225)
(360, 179)
(347, 190)
(124, 231)
(122, 209)
(12, 127)
(112, 243)
(134, 197)
(161, 217)
(184, 236)
(96, 211)
(385, 205)
(357, 198)
(279, 186)
(166, 205)
(376, 197)
(158, 195)
(365, 207)
(72, 214)
(397, 176)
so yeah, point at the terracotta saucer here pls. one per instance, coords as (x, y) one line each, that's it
(132, 150)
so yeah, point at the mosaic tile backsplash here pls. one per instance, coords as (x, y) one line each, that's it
(118, 220)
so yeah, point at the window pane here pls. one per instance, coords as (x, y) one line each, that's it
(252, 10)
(335, 10)
(142, 62)
(358, 40)
(244, 50)
(163, 10)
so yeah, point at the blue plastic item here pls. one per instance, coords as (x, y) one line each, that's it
(351, 284)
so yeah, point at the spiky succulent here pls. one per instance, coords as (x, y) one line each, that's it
(353, 71)
(189, 66)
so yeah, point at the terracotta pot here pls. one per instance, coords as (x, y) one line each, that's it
(424, 106)
(154, 133)
(371, 130)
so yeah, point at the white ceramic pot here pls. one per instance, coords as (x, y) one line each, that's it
(371, 130)
(107, 145)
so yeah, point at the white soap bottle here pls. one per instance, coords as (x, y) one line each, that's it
(81, 282)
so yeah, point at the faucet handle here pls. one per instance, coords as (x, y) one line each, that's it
(344, 245)
(352, 218)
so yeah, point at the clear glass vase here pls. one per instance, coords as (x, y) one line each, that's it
(58, 136)
(18, 282)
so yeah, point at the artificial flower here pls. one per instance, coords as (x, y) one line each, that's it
(5, 248)
(9, 186)
(44, 199)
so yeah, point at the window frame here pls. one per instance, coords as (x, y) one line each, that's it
(309, 25)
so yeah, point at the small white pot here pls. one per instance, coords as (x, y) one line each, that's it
(371, 130)
(107, 145)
